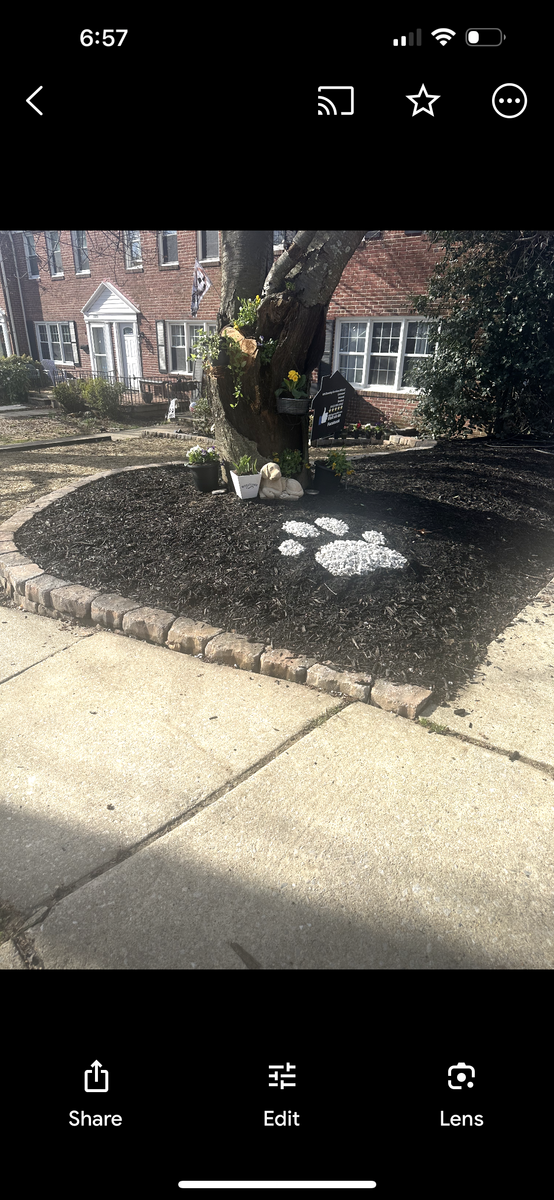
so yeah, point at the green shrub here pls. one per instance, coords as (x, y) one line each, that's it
(103, 396)
(290, 463)
(18, 374)
(71, 395)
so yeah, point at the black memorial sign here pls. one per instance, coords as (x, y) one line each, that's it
(329, 406)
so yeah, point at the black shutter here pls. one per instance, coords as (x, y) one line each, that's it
(326, 364)
(33, 341)
(160, 339)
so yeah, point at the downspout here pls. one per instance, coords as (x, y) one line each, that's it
(8, 299)
(20, 292)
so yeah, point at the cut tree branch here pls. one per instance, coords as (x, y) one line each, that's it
(287, 260)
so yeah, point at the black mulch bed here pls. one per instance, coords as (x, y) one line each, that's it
(473, 519)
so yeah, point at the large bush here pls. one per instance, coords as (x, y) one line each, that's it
(103, 396)
(77, 395)
(71, 395)
(492, 294)
(18, 375)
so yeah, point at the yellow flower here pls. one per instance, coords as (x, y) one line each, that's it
(294, 376)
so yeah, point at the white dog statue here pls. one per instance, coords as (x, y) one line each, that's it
(274, 487)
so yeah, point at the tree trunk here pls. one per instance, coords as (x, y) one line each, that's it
(292, 316)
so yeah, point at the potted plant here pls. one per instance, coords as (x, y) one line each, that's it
(290, 463)
(356, 430)
(246, 480)
(292, 396)
(204, 468)
(330, 474)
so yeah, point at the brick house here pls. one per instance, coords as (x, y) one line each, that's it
(120, 304)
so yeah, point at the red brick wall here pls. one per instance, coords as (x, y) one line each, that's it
(161, 293)
(376, 281)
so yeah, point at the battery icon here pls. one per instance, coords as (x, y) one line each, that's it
(485, 37)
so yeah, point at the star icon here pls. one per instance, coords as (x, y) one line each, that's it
(419, 108)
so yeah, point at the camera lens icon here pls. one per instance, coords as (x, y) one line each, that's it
(458, 1076)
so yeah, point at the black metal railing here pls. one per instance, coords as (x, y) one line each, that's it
(138, 389)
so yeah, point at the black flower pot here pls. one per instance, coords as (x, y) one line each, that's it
(205, 476)
(325, 479)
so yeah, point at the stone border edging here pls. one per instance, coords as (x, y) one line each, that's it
(45, 594)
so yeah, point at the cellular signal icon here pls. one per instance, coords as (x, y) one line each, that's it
(444, 36)
(402, 40)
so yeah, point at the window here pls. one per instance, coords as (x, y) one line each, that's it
(31, 256)
(181, 338)
(168, 247)
(384, 353)
(80, 251)
(57, 341)
(381, 354)
(133, 252)
(417, 346)
(208, 243)
(282, 238)
(54, 252)
(413, 232)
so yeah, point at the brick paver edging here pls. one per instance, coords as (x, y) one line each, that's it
(42, 593)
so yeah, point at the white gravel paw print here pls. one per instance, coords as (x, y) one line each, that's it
(342, 558)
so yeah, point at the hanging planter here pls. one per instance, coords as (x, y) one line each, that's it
(287, 404)
(295, 400)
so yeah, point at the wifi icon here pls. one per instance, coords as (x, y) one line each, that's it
(443, 35)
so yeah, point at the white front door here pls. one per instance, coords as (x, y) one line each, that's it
(130, 360)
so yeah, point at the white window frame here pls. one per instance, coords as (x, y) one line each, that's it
(370, 322)
(129, 265)
(189, 325)
(199, 248)
(174, 262)
(61, 362)
(30, 275)
(50, 253)
(76, 252)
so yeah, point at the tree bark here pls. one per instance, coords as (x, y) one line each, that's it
(295, 292)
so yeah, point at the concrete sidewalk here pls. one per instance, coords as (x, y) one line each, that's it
(164, 813)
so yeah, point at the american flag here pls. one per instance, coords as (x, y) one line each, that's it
(200, 284)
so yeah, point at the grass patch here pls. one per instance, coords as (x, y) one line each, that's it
(432, 726)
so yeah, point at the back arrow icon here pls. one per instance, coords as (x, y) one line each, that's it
(29, 98)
